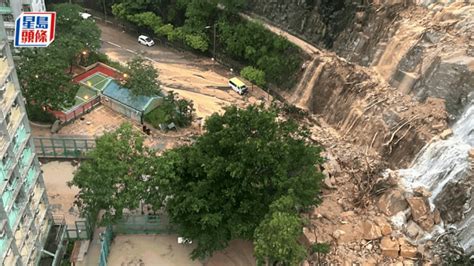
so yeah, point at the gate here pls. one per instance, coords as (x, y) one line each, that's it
(105, 241)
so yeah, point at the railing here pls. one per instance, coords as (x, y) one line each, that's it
(59, 147)
(77, 112)
(105, 240)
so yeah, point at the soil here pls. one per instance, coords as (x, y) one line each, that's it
(61, 197)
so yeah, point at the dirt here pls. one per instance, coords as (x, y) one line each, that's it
(60, 196)
(195, 78)
(143, 250)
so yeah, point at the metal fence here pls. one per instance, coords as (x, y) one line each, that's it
(133, 224)
(105, 241)
(57, 147)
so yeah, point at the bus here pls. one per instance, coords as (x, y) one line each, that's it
(238, 86)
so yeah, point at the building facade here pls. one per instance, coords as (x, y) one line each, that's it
(24, 214)
(11, 9)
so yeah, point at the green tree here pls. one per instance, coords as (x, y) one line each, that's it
(74, 34)
(142, 77)
(276, 239)
(171, 110)
(146, 19)
(42, 72)
(115, 175)
(254, 75)
(44, 81)
(221, 187)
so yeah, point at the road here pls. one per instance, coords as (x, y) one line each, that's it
(193, 77)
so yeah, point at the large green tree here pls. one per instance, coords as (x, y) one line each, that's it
(44, 80)
(115, 174)
(43, 72)
(74, 35)
(142, 77)
(221, 187)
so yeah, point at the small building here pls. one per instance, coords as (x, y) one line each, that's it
(121, 100)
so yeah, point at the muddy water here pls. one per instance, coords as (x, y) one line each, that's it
(445, 161)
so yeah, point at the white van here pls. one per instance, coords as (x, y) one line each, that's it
(238, 86)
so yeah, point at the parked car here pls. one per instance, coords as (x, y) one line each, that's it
(238, 86)
(145, 40)
(85, 15)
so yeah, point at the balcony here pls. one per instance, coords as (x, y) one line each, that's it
(20, 137)
(5, 68)
(15, 119)
(13, 216)
(8, 96)
(31, 178)
(9, 192)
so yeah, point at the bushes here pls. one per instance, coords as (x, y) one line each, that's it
(250, 43)
(37, 114)
(254, 75)
(171, 110)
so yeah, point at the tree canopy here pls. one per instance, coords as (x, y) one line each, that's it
(115, 174)
(43, 72)
(249, 176)
(141, 77)
(222, 185)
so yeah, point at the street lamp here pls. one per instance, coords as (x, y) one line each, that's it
(214, 46)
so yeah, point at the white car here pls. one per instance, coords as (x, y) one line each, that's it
(145, 40)
(85, 15)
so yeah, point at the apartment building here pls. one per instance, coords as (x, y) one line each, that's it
(24, 216)
(11, 9)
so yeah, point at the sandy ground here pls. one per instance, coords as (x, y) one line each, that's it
(61, 197)
(141, 250)
(163, 250)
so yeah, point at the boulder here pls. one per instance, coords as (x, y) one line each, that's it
(446, 133)
(389, 247)
(338, 233)
(385, 227)
(392, 202)
(407, 250)
(413, 230)
(471, 153)
(422, 192)
(451, 201)
(419, 207)
(370, 231)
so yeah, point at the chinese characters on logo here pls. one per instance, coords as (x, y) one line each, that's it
(35, 29)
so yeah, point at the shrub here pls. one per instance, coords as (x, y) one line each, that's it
(37, 114)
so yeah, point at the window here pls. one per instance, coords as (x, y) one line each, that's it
(26, 8)
(8, 18)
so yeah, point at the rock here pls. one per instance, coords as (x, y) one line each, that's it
(471, 153)
(446, 133)
(370, 231)
(338, 233)
(408, 263)
(451, 201)
(347, 214)
(436, 216)
(421, 213)
(392, 202)
(389, 247)
(385, 227)
(438, 126)
(422, 192)
(413, 230)
(419, 207)
(407, 250)
(369, 247)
